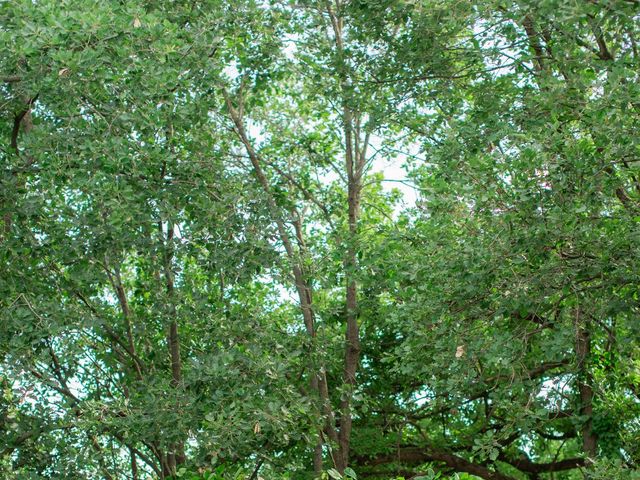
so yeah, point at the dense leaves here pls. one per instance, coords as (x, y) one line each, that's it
(347, 239)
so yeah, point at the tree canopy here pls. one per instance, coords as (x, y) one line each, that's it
(320, 239)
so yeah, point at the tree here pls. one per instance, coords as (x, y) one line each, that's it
(206, 273)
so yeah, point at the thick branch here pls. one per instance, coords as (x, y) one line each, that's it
(417, 456)
(524, 464)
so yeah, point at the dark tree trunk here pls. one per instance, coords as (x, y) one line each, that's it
(585, 390)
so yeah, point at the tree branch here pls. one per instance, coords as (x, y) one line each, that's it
(418, 455)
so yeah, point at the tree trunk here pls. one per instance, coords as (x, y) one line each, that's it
(585, 390)
(318, 382)
(177, 456)
(355, 159)
(352, 333)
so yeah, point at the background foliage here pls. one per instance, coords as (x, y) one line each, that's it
(350, 239)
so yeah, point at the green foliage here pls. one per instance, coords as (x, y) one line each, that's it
(183, 185)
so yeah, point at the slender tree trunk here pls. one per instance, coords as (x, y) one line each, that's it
(352, 333)
(134, 465)
(317, 456)
(176, 457)
(168, 465)
(355, 160)
(585, 390)
(318, 382)
(115, 279)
